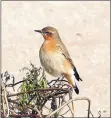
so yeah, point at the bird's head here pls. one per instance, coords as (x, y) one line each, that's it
(48, 33)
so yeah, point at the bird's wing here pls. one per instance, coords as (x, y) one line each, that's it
(65, 53)
(62, 49)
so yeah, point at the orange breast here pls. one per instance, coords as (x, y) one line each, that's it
(51, 45)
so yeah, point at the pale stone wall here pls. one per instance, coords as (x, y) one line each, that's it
(84, 27)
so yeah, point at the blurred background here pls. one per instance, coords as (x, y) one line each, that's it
(84, 27)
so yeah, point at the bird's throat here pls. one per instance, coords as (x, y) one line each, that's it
(50, 45)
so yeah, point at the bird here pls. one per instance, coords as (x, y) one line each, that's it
(55, 58)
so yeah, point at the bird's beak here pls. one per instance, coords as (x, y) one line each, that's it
(38, 31)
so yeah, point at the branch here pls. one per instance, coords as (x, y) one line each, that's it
(40, 89)
(4, 99)
(74, 99)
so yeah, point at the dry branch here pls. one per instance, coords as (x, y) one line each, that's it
(35, 92)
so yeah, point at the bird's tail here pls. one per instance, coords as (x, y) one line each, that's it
(72, 81)
(76, 89)
(76, 74)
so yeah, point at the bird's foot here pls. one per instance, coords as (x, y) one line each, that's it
(70, 87)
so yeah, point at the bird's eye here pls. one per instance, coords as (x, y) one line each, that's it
(48, 32)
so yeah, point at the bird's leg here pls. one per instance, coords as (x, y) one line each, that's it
(70, 95)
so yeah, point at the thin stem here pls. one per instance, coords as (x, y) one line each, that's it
(74, 99)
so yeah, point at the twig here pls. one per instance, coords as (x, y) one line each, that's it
(4, 98)
(91, 114)
(36, 109)
(23, 115)
(40, 89)
(68, 106)
(70, 109)
(11, 85)
(65, 112)
(3, 104)
(74, 99)
(6, 104)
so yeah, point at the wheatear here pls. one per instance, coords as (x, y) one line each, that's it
(55, 58)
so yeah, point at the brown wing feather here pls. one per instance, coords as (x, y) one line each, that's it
(64, 52)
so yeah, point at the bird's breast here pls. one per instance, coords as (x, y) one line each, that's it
(51, 60)
(50, 46)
